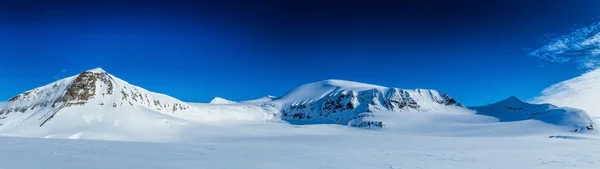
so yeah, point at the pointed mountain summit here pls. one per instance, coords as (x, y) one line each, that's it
(513, 109)
(89, 98)
(96, 70)
(512, 100)
(218, 100)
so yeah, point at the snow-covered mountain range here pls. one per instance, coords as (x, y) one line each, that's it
(97, 103)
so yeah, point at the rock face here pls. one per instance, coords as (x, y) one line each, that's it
(94, 89)
(513, 109)
(351, 103)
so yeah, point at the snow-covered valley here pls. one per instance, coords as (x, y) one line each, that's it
(96, 120)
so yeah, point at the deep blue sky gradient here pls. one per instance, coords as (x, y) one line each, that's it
(240, 50)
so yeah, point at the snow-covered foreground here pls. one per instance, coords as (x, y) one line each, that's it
(279, 146)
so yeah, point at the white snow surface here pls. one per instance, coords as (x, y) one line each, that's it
(581, 92)
(349, 103)
(275, 146)
(218, 100)
(514, 109)
(265, 99)
(251, 134)
(318, 90)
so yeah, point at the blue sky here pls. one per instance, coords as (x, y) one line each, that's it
(478, 52)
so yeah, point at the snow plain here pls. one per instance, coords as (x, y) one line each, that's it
(276, 146)
(460, 139)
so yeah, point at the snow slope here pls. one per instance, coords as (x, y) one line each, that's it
(218, 100)
(581, 92)
(349, 103)
(265, 99)
(233, 113)
(513, 109)
(93, 103)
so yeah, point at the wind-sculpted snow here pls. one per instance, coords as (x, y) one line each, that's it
(581, 46)
(581, 92)
(513, 109)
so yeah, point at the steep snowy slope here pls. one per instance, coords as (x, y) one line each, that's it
(513, 109)
(218, 100)
(582, 92)
(91, 100)
(349, 103)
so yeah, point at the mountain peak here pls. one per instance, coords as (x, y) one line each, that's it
(512, 100)
(96, 70)
(92, 89)
(218, 100)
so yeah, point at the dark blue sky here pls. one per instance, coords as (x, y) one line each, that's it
(476, 51)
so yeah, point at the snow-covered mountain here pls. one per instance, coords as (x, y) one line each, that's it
(349, 103)
(91, 99)
(513, 109)
(581, 92)
(218, 100)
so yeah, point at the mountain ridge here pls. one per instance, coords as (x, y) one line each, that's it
(514, 109)
(349, 103)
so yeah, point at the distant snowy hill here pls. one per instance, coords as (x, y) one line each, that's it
(581, 92)
(513, 109)
(218, 100)
(265, 99)
(2, 104)
(350, 103)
